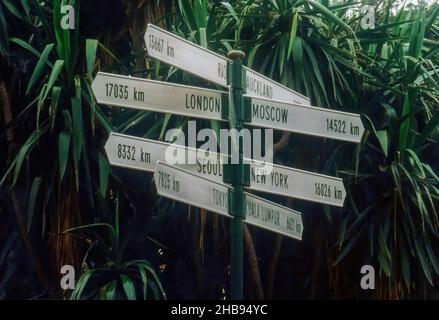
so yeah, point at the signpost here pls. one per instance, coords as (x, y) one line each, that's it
(143, 154)
(174, 183)
(209, 184)
(299, 184)
(150, 95)
(273, 217)
(180, 185)
(304, 119)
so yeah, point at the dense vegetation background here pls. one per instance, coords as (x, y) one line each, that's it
(61, 203)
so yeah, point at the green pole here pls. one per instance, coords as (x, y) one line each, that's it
(237, 173)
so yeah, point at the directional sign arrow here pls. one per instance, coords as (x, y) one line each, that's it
(180, 185)
(306, 119)
(183, 186)
(185, 55)
(150, 95)
(143, 154)
(272, 216)
(298, 184)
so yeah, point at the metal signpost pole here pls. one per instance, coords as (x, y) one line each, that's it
(237, 174)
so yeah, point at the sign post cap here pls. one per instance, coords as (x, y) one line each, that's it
(236, 54)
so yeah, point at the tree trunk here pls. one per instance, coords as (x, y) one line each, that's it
(253, 263)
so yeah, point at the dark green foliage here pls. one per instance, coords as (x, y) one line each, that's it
(55, 176)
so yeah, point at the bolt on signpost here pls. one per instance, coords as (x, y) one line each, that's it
(238, 175)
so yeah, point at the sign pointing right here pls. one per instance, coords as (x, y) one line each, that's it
(325, 123)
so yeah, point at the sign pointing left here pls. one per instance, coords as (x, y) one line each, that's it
(185, 55)
(150, 95)
(143, 154)
(177, 184)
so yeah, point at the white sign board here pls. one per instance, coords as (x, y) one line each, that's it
(273, 217)
(185, 55)
(300, 184)
(150, 95)
(142, 154)
(309, 120)
(186, 187)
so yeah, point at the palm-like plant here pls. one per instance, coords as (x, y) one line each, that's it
(115, 278)
(62, 121)
(55, 118)
(316, 47)
(303, 44)
(396, 218)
